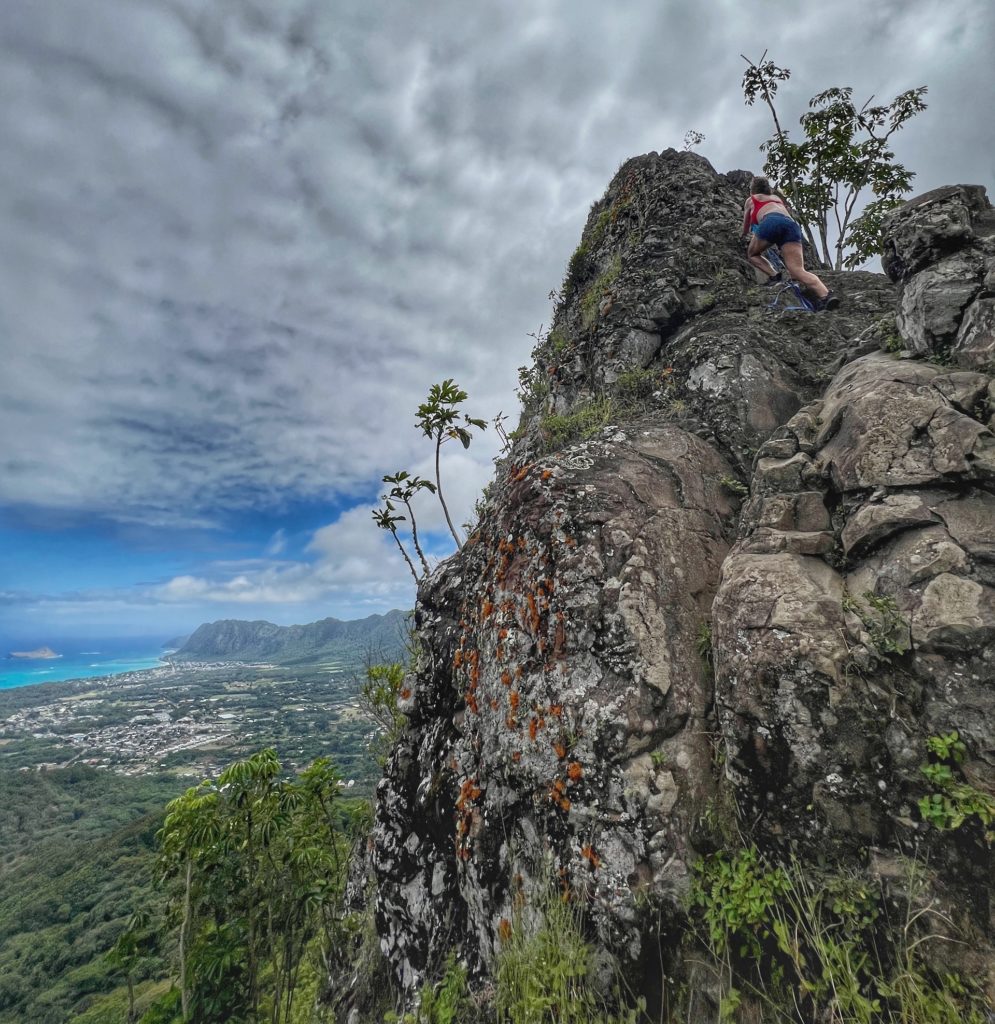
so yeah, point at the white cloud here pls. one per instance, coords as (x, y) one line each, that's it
(277, 544)
(242, 239)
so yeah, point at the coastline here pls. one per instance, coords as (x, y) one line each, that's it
(15, 674)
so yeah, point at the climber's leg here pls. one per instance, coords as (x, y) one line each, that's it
(758, 246)
(794, 260)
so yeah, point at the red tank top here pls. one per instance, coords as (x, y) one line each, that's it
(759, 204)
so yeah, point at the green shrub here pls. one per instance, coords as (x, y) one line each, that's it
(591, 299)
(954, 801)
(888, 630)
(576, 270)
(445, 1002)
(558, 340)
(807, 947)
(545, 971)
(578, 425)
(600, 226)
(737, 487)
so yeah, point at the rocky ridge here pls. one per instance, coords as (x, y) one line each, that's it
(735, 571)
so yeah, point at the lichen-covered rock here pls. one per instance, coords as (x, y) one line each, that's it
(941, 247)
(559, 706)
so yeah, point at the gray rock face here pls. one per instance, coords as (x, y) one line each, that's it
(836, 662)
(559, 708)
(563, 726)
(941, 247)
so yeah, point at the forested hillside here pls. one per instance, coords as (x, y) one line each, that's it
(76, 854)
(374, 638)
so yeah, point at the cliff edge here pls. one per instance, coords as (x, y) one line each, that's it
(733, 578)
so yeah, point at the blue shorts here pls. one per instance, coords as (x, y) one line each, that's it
(777, 229)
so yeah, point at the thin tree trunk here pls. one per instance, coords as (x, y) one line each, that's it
(414, 535)
(438, 484)
(253, 986)
(793, 182)
(184, 935)
(400, 547)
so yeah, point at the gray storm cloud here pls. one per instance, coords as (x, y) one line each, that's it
(241, 239)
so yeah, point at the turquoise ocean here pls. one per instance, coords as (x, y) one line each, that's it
(81, 659)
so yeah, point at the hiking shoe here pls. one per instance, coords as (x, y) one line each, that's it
(830, 302)
(776, 279)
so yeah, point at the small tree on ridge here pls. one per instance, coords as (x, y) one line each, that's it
(845, 150)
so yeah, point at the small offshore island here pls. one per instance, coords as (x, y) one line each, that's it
(38, 654)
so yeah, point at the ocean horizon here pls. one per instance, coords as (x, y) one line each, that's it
(80, 659)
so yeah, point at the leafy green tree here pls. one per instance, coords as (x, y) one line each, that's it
(439, 418)
(404, 488)
(190, 837)
(844, 150)
(378, 696)
(127, 953)
(258, 862)
(387, 519)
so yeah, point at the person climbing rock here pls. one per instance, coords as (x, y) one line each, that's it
(766, 221)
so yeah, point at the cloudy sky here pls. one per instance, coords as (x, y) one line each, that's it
(240, 239)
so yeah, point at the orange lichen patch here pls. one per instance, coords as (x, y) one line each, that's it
(499, 653)
(533, 613)
(506, 677)
(516, 756)
(533, 728)
(570, 542)
(468, 792)
(587, 852)
(508, 606)
(494, 704)
(556, 710)
(560, 747)
(518, 672)
(504, 929)
(503, 633)
(471, 702)
(558, 794)
(406, 693)
(521, 543)
(546, 474)
(458, 659)
(511, 721)
(514, 699)
(486, 609)
(520, 475)
(574, 771)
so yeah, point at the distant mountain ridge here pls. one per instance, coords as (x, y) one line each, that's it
(381, 636)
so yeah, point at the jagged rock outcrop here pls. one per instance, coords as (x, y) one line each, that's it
(856, 615)
(941, 248)
(564, 723)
